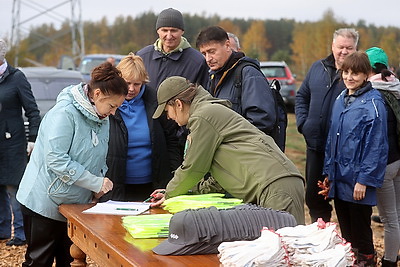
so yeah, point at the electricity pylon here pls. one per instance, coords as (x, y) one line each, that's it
(75, 22)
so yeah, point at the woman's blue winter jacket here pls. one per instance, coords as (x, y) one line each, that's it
(357, 146)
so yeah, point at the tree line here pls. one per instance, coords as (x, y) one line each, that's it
(297, 43)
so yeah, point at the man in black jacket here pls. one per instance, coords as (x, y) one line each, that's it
(253, 98)
(314, 101)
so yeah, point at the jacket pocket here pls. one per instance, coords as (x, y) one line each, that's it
(62, 193)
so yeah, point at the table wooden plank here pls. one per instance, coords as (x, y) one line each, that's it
(106, 241)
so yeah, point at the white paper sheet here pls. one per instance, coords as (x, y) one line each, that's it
(118, 208)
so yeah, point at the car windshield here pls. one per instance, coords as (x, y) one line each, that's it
(89, 64)
(273, 71)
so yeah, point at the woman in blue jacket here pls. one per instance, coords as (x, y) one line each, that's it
(356, 155)
(68, 163)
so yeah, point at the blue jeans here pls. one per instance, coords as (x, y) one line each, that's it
(9, 206)
(389, 209)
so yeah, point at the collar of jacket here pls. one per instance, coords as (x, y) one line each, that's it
(392, 85)
(82, 103)
(9, 70)
(202, 96)
(184, 44)
(218, 76)
(348, 99)
(130, 105)
(3, 66)
(330, 67)
(329, 61)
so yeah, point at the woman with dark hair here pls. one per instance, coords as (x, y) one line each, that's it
(68, 163)
(389, 194)
(356, 155)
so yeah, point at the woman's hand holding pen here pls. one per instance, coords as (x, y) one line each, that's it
(157, 197)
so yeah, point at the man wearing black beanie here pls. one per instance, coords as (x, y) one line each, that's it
(172, 55)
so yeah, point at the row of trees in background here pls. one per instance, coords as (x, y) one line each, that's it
(297, 43)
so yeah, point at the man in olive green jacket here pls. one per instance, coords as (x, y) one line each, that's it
(243, 160)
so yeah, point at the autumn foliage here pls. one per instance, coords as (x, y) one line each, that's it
(297, 43)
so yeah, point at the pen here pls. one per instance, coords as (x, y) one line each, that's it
(127, 209)
(151, 197)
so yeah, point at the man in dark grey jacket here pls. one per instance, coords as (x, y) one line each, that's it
(255, 101)
(314, 101)
(172, 54)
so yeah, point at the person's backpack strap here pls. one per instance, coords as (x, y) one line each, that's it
(238, 72)
(275, 85)
(279, 131)
(238, 79)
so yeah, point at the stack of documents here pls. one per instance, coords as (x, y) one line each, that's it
(119, 208)
(147, 226)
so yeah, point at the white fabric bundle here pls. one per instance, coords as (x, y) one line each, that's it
(317, 244)
(267, 250)
(340, 255)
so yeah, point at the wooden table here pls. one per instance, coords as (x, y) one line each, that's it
(105, 241)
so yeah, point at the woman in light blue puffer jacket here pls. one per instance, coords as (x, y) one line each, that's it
(68, 163)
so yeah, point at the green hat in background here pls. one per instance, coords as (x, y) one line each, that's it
(377, 55)
(169, 88)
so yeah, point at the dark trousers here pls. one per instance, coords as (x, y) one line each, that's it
(318, 206)
(47, 240)
(138, 192)
(355, 225)
(129, 192)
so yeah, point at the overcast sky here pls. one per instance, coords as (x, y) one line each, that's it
(380, 13)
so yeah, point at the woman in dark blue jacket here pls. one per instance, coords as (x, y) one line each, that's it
(356, 154)
(15, 95)
(138, 158)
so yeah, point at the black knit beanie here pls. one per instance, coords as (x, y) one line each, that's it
(170, 18)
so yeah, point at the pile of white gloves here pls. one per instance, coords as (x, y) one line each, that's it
(267, 250)
(318, 244)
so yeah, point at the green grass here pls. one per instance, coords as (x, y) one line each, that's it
(295, 144)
